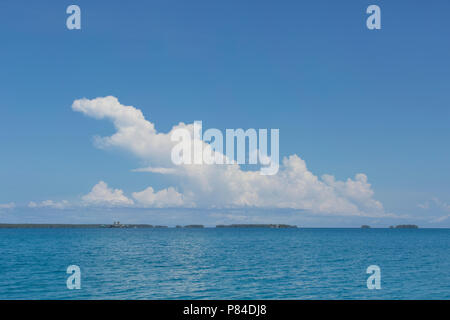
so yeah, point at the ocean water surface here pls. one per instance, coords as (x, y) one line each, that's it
(224, 263)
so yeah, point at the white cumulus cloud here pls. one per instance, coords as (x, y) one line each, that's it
(219, 186)
(162, 199)
(102, 195)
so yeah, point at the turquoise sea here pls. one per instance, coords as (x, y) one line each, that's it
(224, 263)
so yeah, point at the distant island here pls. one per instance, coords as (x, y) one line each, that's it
(118, 225)
(406, 226)
(272, 226)
(47, 225)
(400, 226)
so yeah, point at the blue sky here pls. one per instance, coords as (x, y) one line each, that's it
(347, 100)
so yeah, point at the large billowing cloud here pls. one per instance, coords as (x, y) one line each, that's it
(134, 133)
(219, 186)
